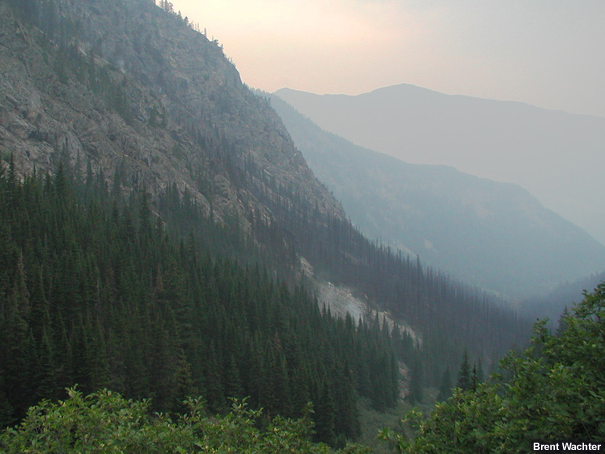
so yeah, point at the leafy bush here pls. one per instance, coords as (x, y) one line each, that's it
(556, 392)
(104, 422)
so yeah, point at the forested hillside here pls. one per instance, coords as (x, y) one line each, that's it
(95, 291)
(511, 142)
(162, 236)
(494, 235)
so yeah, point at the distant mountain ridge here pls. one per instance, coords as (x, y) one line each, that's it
(127, 100)
(495, 235)
(557, 156)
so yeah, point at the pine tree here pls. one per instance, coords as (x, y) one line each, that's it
(347, 416)
(213, 382)
(325, 416)
(255, 382)
(44, 377)
(39, 317)
(278, 396)
(98, 360)
(476, 375)
(17, 356)
(562, 321)
(300, 383)
(464, 374)
(233, 382)
(183, 383)
(91, 294)
(7, 412)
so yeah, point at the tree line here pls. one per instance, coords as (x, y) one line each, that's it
(447, 315)
(96, 291)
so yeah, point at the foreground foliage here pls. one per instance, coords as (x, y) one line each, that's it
(556, 391)
(104, 422)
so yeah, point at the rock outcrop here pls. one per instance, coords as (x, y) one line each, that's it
(132, 91)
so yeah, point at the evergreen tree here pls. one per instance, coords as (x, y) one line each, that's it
(325, 416)
(300, 384)
(563, 321)
(44, 375)
(93, 296)
(233, 382)
(213, 382)
(183, 383)
(17, 361)
(464, 374)
(7, 412)
(477, 375)
(347, 415)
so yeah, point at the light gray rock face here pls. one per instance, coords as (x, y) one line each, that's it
(132, 89)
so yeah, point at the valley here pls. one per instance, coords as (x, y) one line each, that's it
(174, 264)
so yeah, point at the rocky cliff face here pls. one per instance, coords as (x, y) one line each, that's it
(127, 91)
(132, 91)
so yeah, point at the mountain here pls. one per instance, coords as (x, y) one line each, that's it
(136, 93)
(494, 235)
(561, 299)
(162, 235)
(555, 155)
(143, 240)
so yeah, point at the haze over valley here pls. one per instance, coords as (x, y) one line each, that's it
(189, 264)
(494, 235)
(555, 155)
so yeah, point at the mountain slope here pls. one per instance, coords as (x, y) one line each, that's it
(561, 299)
(554, 155)
(126, 95)
(494, 235)
(127, 86)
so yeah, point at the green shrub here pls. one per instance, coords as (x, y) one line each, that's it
(556, 392)
(104, 422)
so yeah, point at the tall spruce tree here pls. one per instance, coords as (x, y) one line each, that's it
(464, 374)
(325, 416)
(477, 376)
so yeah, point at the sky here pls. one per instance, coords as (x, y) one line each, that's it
(548, 53)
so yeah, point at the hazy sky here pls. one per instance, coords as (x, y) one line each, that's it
(550, 53)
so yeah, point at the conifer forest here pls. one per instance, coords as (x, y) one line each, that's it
(163, 251)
